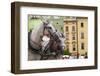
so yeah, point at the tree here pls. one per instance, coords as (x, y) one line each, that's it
(66, 52)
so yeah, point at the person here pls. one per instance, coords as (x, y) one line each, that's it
(45, 40)
(44, 43)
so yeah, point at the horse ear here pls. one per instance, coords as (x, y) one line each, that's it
(44, 24)
(47, 22)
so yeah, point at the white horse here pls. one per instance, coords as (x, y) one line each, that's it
(35, 40)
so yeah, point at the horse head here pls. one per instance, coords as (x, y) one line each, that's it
(56, 38)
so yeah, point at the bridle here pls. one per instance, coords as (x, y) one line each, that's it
(53, 36)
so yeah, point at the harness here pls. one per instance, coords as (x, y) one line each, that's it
(53, 36)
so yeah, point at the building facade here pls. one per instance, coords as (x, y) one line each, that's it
(76, 34)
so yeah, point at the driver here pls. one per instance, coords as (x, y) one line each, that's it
(45, 40)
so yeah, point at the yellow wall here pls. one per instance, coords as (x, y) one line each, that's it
(85, 31)
(69, 24)
(78, 29)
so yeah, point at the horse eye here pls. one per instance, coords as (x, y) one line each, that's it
(49, 27)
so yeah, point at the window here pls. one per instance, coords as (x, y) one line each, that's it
(73, 37)
(73, 28)
(82, 46)
(82, 35)
(82, 25)
(67, 37)
(67, 28)
(66, 22)
(74, 47)
(67, 47)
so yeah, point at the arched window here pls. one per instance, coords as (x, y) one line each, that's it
(73, 37)
(74, 47)
(67, 36)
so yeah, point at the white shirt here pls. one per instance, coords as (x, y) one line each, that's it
(45, 41)
(45, 38)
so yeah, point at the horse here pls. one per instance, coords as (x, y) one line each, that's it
(56, 44)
